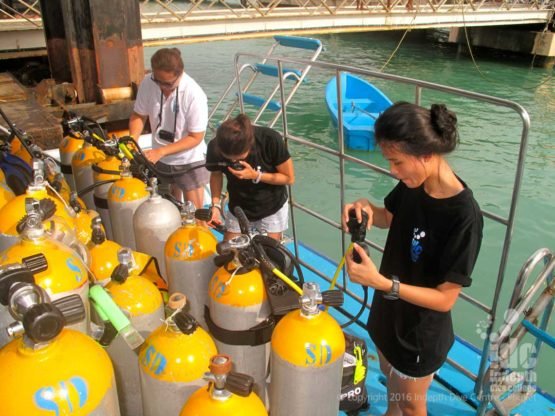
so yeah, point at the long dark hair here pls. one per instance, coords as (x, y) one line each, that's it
(168, 60)
(416, 130)
(235, 136)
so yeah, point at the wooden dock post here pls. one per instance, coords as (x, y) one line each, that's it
(98, 40)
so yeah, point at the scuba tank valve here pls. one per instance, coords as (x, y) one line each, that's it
(228, 393)
(39, 318)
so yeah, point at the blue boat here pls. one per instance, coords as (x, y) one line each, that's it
(361, 103)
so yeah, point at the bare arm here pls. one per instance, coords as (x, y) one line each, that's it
(216, 184)
(285, 174)
(442, 298)
(185, 143)
(136, 124)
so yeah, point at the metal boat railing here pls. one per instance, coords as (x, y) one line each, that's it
(419, 88)
(502, 389)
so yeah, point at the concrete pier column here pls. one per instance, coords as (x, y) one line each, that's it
(544, 49)
(539, 44)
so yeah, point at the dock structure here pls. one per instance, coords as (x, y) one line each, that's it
(180, 21)
(95, 47)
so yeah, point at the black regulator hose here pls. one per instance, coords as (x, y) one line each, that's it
(90, 188)
(358, 236)
(98, 169)
(258, 242)
(98, 126)
(244, 224)
(14, 132)
(139, 155)
(173, 200)
(264, 240)
(361, 310)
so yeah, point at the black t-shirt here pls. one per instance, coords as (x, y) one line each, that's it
(258, 200)
(430, 241)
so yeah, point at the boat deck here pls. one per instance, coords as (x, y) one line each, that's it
(451, 392)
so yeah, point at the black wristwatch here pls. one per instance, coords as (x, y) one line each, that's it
(393, 294)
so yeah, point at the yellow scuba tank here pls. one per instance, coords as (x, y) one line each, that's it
(106, 170)
(153, 222)
(239, 314)
(308, 348)
(14, 210)
(66, 273)
(124, 197)
(58, 184)
(172, 361)
(142, 301)
(18, 149)
(104, 259)
(6, 194)
(69, 145)
(82, 163)
(103, 253)
(189, 257)
(83, 219)
(228, 393)
(65, 232)
(51, 370)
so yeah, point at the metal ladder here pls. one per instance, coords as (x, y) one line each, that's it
(314, 46)
(504, 388)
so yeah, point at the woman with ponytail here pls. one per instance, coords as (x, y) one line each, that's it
(435, 232)
(258, 169)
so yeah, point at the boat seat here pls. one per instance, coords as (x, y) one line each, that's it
(298, 42)
(359, 103)
(272, 71)
(259, 102)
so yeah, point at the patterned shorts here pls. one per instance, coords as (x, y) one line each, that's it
(275, 223)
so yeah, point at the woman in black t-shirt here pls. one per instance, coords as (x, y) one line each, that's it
(435, 232)
(259, 187)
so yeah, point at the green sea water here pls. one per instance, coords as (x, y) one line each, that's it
(485, 159)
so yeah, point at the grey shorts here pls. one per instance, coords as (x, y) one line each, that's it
(194, 179)
(275, 223)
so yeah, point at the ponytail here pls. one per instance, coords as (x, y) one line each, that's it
(416, 130)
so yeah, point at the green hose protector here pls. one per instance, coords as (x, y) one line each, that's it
(107, 309)
(125, 150)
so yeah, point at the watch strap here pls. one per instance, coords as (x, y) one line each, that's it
(393, 294)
